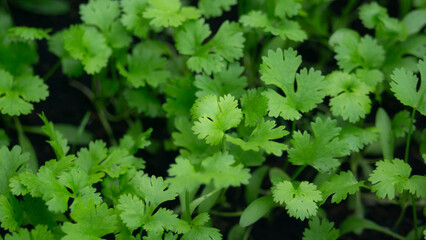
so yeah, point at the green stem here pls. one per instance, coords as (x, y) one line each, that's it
(52, 70)
(80, 129)
(416, 227)
(226, 214)
(105, 124)
(223, 145)
(187, 213)
(293, 127)
(401, 216)
(298, 171)
(410, 129)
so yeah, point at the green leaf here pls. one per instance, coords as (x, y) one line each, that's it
(221, 169)
(16, 94)
(416, 186)
(279, 69)
(11, 213)
(383, 123)
(227, 45)
(390, 177)
(414, 21)
(91, 222)
(401, 123)
(357, 138)
(133, 19)
(352, 224)
(254, 106)
(214, 118)
(132, 211)
(12, 162)
(180, 96)
(45, 7)
(169, 13)
(353, 52)
(152, 190)
(57, 141)
(146, 65)
(256, 210)
(404, 86)
(284, 28)
(29, 33)
(215, 8)
(229, 81)
(320, 230)
(321, 151)
(340, 185)
(350, 98)
(287, 8)
(87, 44)
(144, 101)
(100, 13)
(262, 137)
(184, 177)
(300, 201)
(163, 219)
(53, 192)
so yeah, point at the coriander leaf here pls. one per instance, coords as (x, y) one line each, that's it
(375, 16)
(279, 68)
(87, 44)
(97, 160)
(283, 28)
(229, 81)
(132, 211)
(184, 177)
(16, 94)
(40, 232)
(53, 192)
(144, 101)
(357, 138)
(320, 230)
(133, 18)
(190, 145)
(228, 41)
(70, 66)
(169, 13)
(390, 177)
(152, 189)
(353, 52)
(255, 19)
(11, 213)
(180, 96)
(401, 123)
(214, 118)
(321, 151)
(12, 162)
(91, 222)
(117, 36)
(57, 141)
(350, 98)
(300, 201)
(215, 8)
(163, 219)
(220, 169)
(227, 45)
(254, 106)
(262, 137)
(404, 85)
(416, 186)
(146, 65)
(29, 33)
(287, 8)
(100, 13)
(340, 185)
(200, 232)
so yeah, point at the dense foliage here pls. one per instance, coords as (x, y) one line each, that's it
(246, 117)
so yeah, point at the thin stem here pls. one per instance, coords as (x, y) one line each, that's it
(80, 130)
(223, 144)
(293, 127)
(226, 214)
(416, 227)
(247, 234)
(52, 70)
(298, 171)
(187, 213)
(410, 129)
(85, 90)
(105, 124)
(401, 216)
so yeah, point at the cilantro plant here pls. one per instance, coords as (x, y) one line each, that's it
(214, 116)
